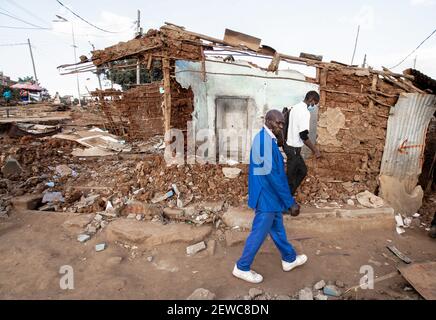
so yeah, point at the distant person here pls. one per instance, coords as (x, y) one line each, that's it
(269, 196)
(24, 95)
(296, 135)
(57, 99)
(7, 95)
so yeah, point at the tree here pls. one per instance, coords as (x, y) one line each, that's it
(126, 77)
(26, 79)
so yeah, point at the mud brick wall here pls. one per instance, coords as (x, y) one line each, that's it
(174, 44)
(137, 113)
(142, 106)
(351, 126)
(182, 106)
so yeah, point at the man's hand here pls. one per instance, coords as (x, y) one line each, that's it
(317, 154)
(294, 210)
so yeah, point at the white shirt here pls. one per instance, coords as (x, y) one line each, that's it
(299, 121)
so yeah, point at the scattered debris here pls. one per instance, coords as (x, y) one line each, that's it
(319, 285)
(100, 247)
(64, 170)
(332, 290)
(159, 198)
(369, 200)
(398, 253)
(11, 168)
(305, 294)
(97, 139)
(400, 224)
(83, 238)
(408, 222)
(191, 250)
(254, 292)
(231, 173)
(321, 296)
(201, 294)
(53, 197)
(216, 206)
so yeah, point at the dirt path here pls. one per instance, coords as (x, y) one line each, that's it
(33, 247)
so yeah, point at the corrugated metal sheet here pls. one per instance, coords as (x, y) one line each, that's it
(405, 140)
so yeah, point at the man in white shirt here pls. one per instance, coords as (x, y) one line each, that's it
(296, 136)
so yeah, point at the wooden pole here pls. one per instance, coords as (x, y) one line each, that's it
(373, 88)
(203, 65)
(167, 95)
(322, 87)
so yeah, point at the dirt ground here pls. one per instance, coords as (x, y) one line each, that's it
(34, 246)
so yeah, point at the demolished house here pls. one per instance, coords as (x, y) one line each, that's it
(371, 125)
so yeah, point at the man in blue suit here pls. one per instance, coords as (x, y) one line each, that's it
(269, 196)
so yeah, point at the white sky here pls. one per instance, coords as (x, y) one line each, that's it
(389, 31)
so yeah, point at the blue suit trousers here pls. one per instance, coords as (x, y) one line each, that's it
(265, 223)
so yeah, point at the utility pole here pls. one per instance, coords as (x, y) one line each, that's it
(33, 61)
(414, 62)
(355, 45)
(97, 73)
(364, 62)
(138, 33)
(75, 60)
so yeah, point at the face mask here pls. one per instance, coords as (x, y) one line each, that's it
(311, 108)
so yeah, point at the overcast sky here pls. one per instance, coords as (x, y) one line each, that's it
(389, 30)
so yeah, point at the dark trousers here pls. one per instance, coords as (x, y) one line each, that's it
(433, 223)
(296, 169)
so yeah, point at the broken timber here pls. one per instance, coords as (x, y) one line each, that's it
(398, 253)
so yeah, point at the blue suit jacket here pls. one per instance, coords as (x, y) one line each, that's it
(268, 189)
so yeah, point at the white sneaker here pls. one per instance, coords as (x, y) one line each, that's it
(249, 276)
(288, 266)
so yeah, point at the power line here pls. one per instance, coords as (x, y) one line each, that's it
(434, 31)
(16, 18)
(83, 18)
(28, 11)
(24, 28)
(12, 44)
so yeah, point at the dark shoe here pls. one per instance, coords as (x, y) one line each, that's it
(432, 232)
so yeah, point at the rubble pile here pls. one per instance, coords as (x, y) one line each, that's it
(203, 182)
(86, 185)
(317, 190)
(27, 166)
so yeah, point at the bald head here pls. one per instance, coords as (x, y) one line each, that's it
(274, 115)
